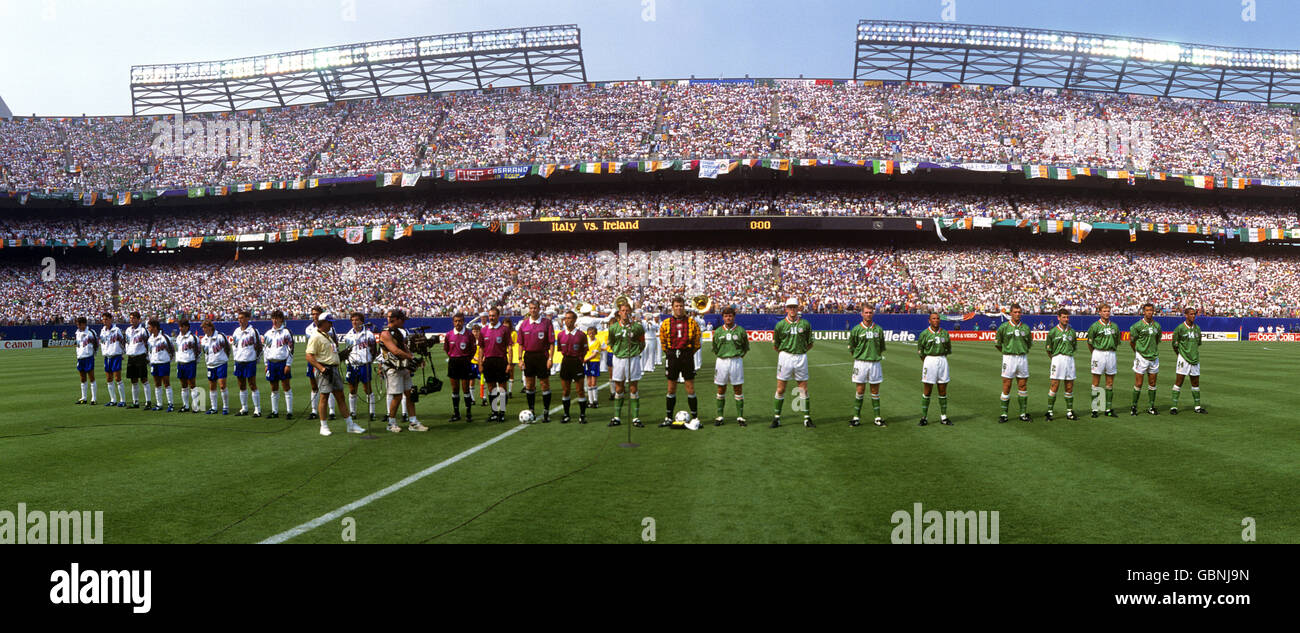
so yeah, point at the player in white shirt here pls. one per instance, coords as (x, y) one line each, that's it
(112, 342)
(247, 343)
(87, 343)
(216, 353)
(311, 371)
(137, 359)
(362, 347)
(161, 351)
(187, 357)
(277, 342)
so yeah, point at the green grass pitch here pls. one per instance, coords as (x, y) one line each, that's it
(1189, 478)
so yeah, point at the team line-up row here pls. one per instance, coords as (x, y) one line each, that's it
(487, 352)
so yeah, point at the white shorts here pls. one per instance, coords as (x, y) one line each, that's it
(867, 371)
(729, 371)
(626, 369)
(791, 366)
(1103, 362)
(1015, 366)
(1184, 368)
(1144, 366)
(934, 370)
(1062, 367)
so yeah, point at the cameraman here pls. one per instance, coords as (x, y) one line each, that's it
(394, 358)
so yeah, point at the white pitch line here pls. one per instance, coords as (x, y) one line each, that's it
(366, 500)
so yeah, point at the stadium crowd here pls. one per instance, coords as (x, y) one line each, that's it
(920, 202)
(828, 279)
(635, 120)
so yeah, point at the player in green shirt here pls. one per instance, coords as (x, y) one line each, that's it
(867, 345)
(730, 344)
(1187, 342)
(934, 345)
(1103, 338)
(1014, 340)
(792, 338)
(1062, 341)
(1144, 339)
(626, 341)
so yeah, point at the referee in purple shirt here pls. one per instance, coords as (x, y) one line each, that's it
(537, 336)
(460, 345)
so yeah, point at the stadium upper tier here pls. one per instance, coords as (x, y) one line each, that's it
(755, 279)
(72, 225)
(665, 120)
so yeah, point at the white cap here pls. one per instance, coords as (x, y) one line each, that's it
(792, 302)
(325, 316)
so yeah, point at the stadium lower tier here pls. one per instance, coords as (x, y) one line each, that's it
(755, 277)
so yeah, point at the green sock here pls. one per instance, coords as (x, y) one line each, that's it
(1051, 401)
(1174, 395)
(1151, 396)
(875, 404)
(925, 406)
(777, 405)
(1069, 401)
(1196, 396)
(636, 406)
(722, 403)
(1137, 395)
(1006, 404)
(618, 405)
(1110, 398)
(857, 405)
(943, 405)
(740, 406)
(1022, 399)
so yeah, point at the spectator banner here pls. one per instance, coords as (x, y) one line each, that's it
(353, 234)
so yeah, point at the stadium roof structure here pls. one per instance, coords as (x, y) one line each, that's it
(457, 61)
(4, 110)
(1009, 56)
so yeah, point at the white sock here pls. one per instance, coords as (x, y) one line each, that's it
(333, 405)
(157, 396)
(403, 403)
(370, 399)
(194, 397)
(315, 398)
(109, 387)
(243, 399)
(185, 398)
(288, 401)
(135, 398)
(169, 395)
(83, 391)
(275, 407)
(352, 402)
(225, 398)
(257, 402)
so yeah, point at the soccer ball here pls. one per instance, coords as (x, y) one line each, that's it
(526, 417)
(683, 417)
